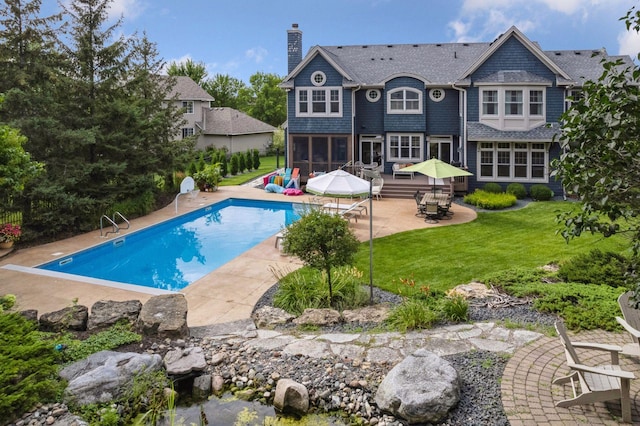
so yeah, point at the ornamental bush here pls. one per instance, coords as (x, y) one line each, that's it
(492, 187)
(596, 267)
(517, 189)
(490, 200)
(541, 192)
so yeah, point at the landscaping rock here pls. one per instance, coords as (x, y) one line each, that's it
(106, 375)
(202, 387)
(291, 397)
(268, 316)
(179, 362)
(320, 317)
(70, 318)
(422, 388)
(376, 314)
(164, 316)
(105, 313)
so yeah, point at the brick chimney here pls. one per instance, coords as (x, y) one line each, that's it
(294, 47)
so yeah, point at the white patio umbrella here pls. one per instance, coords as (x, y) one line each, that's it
(339, 184)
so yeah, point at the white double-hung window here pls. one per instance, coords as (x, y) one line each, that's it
(512, 107)
(319, 102)
(513, 161)
(404, 147)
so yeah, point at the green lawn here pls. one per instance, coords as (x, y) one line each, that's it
(267, 165)
(446, 256)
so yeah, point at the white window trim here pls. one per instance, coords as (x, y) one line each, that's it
(320, 74)
(410, 159)
(186, 108)
(433, 97)
(186, 130)
(404, 111)
(373, 99)
(504, 121)
(310, 112)
(512, 149)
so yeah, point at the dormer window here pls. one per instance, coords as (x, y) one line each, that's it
(404, 100)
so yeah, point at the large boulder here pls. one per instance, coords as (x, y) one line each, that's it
(164, 316)
(422, 388)
(180, 362)
(291, 397)
(105, 313)
(70, 318)
(268, 316)
(106, 375)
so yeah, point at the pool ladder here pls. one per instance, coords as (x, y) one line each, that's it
(115, 228)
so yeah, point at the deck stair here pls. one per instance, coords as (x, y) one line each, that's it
(401, 187)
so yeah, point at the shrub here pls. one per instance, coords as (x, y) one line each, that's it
(490, 200)
(235, 166)
(28, 373)
(454, 308)
(307, 288)
(492, 187)
(248, 159)
(412, 314)
(517, 189)
(541, 192)
(242, 162)
(256, 159)
(596, 267)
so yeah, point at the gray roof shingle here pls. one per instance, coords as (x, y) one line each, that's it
(481, 132)
(229, 122)
(187, 90)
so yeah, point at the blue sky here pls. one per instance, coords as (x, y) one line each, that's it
(242, 37)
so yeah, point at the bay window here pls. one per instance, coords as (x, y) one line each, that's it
(517, 161)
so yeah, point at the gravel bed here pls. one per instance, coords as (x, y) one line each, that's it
(480, 372)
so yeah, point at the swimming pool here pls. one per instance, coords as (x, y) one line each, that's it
(175, 253)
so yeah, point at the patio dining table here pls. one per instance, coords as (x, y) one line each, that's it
(441, 199)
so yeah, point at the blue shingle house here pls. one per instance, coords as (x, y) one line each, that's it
(491, 107)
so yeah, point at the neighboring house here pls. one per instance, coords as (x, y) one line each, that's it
(491, 107)
(219, 127)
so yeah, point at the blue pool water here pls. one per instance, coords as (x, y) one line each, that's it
(173, 254)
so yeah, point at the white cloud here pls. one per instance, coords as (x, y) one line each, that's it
(256, 54)
(629, 43)
(130, 9)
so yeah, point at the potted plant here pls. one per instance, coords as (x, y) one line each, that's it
(209, 177)
(9, 234)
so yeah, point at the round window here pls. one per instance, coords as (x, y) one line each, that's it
(436, 95)
(318, 78)
(373, 95)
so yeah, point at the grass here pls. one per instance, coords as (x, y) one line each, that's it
(444, 257)
(267, 165)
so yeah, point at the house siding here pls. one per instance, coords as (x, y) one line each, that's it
(370, 115)
(443, 118)
(406, 123)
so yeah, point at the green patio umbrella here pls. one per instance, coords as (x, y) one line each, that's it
(437, 169)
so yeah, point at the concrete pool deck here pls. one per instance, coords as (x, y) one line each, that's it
(227, 294)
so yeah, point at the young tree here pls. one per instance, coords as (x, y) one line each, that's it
(16, 165)
(600, 162)
(322, 241)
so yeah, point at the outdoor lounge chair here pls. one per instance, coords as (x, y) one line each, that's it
(631, 323)
(594, 383)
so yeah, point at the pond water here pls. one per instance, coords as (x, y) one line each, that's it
(229, 410)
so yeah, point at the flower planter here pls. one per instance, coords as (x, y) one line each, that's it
(6, 245)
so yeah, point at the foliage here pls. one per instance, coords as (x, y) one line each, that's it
(9, 233)
(242, 162)
(248, 159)
(307, 288)
(224, 89)
(209, 177)
(196, 71)
(28, 373)
(264, 99)
(490, 200)
(600, 142)
(256, 159)
(322, 241)
(277, 143)
(134, 207)
(454, 308)
(492, 187)
(6, 302)
(582, 306)
(412, 314)
(596, 267)
(235, 165)
(267, 165)
(517, 189)
(111, 338)
(540, 192)
(16, 166)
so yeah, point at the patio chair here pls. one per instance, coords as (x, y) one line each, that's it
(631, 323)
(376, 187)
(594, 383)
(431, 212)
(420, 207)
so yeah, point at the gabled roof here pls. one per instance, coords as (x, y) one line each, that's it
(532, 47)
(443, 64)
(230, 122)
(187, 90)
